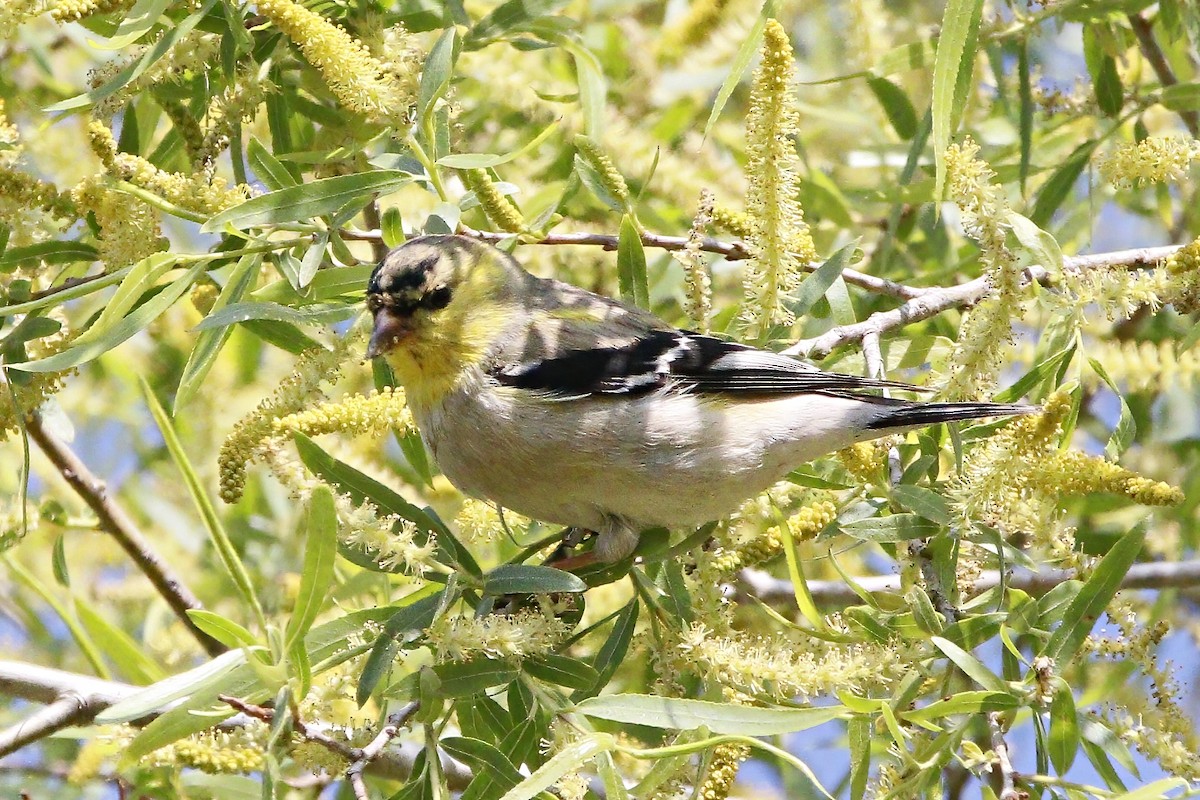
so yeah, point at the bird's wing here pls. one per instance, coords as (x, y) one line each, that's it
(629, 359)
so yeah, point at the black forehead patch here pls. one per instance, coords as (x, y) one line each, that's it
(393, 279)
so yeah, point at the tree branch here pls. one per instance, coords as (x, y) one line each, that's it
(938, 299)
(93, 695)
(732, 251)
(71, 699)
(1157, 575)
(117, 523)
(1008, 775)
(1143, 30)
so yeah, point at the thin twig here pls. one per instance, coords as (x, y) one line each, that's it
(114, 521)
(370, 214)
(1143, 30)
(1008, 775)
(732, 251)
(372, 758)
(1159, 575)
(935, 300)
(70, 699)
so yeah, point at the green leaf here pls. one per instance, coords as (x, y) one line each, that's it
(1063, 742)
(1056, 189)
(360, 486)
(676, 713)
(1155, 791)
(963, 703)
(52, 252)
(99, 339)
(435, 75)
(924, 501)
(1040, 244)
(612, 652)
(631, 264)
(319, 530)
(308, 200)
(1181, 97)
(1106, 81)
(562, 671)
(955, 56)
(1093, 598)
(243, 312)
(223, 629)
(510, 16)
(568, 759)
(815, 284)
(118, 645)
(270, 170)
(454, 679)
(138, 66)
(209, 343)
(924, 614)
(492, 768)
(971, 665)
(741, 62)
(327, 644)
(212, 523)
(893, 528)
(487, 160)
(1126, 427)
(156, 696)
(530, 579)
(135, 24)
(858, 732)
(897, 106)
(402, 627)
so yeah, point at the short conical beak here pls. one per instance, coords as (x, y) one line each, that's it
(389, 329)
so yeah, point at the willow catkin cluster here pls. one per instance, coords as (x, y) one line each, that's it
(986, 332)
(697, 294)
(360, 81)
(779, 239)
(1156, 159)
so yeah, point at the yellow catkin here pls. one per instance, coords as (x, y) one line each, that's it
(74, 10)
(722, 771)
(697, 295)
(691, 29)
(371, 415)
(986, 333)
(498, 208)
(610, 177)
(779, 239)
(359, 80)
(1155, 159)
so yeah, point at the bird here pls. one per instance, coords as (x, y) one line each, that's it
(575, 409)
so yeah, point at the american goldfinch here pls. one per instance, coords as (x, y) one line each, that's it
(575, 409)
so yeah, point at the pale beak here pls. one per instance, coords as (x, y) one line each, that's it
(390, 328)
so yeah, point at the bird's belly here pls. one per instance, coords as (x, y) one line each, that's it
(672, 460)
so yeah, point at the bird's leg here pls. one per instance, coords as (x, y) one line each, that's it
(563, 558)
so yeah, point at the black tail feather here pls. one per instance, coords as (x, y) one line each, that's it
(915, 415)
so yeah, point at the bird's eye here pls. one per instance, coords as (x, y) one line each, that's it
(374, 303)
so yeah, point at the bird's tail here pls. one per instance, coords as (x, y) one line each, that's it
(916, 415)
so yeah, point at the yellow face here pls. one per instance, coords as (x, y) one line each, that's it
(430, 312)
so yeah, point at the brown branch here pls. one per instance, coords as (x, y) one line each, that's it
(372, 758)
(92, 695)
(732, 251)
(70, 699)
(114, 521)
(1156, 575)
(1008, 775)
(1143, 30)
(938, 299)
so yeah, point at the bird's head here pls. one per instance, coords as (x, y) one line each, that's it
(438, 302)
(422, 285)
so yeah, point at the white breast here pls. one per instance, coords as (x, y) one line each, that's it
(668, 459)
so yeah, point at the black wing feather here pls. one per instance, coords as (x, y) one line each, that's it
(681, 359)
